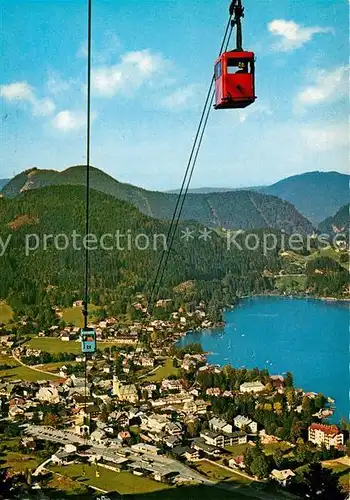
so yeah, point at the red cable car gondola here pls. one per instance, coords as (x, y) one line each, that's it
(234, 70)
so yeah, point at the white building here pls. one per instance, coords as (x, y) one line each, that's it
(219, 425)
(241, 421)
(48, 395)
(282, 476)
(252, 387)
(327, 435)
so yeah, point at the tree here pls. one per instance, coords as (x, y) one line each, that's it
(51, 420)
(288, 380)
(278, 458)
(260, 466)
(320, 483)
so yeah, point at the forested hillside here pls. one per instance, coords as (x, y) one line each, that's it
(3, 182)
(338, 222)
(53, 276)
(231, 210)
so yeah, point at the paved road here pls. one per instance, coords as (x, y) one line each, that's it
(41, 467)
(32, 368)
(162, 462)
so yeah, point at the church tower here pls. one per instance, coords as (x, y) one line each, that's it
(116, 386)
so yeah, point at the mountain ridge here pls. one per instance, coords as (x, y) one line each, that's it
(230, 210)
(316, 195)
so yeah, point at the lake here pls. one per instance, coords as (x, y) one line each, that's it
(308, 337)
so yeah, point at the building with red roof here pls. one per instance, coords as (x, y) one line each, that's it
(327, 435)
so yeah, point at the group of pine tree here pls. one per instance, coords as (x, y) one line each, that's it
(33, 281)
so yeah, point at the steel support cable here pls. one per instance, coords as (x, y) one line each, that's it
(87, 187)
(195, 151)
(180, 198)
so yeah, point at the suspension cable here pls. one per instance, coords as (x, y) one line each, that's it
(188, 175)
(87, 188)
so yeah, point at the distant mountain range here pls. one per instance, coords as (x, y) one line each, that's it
(3, 182)
(316, 195)
(239, 209)
(207, 190)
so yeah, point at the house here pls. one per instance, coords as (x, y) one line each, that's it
(172, 441)
(173, 428)
(205, 449)
(171, 385)
(213, 391)
(242, 421)
(124, 435)
(219, 425)
(277, 382)
(237, 462)
(213, 438)
(327, 435)
(186, 452)
(78, 303)
(155, 423)
(48, 395)
(98, 436)
(125, 392)
(145, 448)
(61, 457)
(252, 387)
(66, 336)
(222, 439)
(15, 412)
(283, 477)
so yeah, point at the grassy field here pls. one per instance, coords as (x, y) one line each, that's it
(163, 372)
(74, 315)
(7, 360)
(291, 283)
(124, 483)
(63, 483)
(342, 470)
(219, 474)
(54, 367)
(56, 345)
(237, 449)
(24, 373)
(14, 460)
(6, 313)
(271, 448)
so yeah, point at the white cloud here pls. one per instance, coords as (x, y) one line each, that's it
(182, 97)
(22, 91)
(68, 120)
(134, 70)
(292, 35)
(260, 108)
(326, 137)
(329, 86)
(18, 91)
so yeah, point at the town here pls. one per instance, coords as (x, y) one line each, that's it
(148, 408)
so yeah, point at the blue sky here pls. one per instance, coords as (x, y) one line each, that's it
(152, 62)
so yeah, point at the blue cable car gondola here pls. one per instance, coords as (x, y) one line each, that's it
(88, 340)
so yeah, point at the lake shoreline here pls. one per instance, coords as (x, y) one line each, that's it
(293, 296)
(295, 331)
